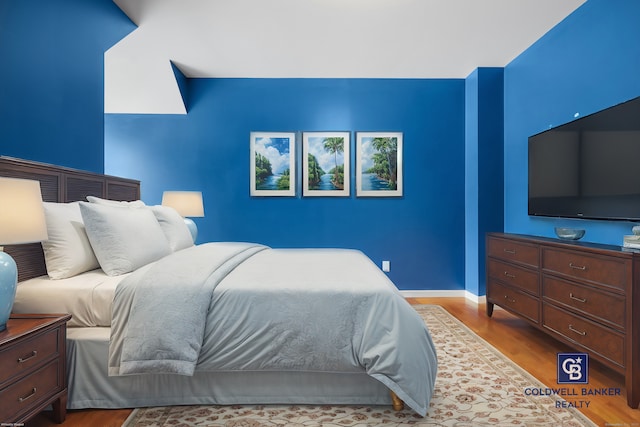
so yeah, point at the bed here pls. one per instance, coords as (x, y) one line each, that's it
(159, 321)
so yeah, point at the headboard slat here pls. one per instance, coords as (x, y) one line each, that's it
(78, 188)
(118, 190)
(60, 184)
(29, 258)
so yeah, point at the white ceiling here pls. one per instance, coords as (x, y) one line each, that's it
(314, 38)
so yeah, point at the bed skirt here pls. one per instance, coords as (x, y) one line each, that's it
(90, 386)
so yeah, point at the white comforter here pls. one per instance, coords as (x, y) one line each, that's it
(280, 310)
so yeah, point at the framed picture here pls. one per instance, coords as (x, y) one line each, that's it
(379, 164)
(325, 163)
(273, 162)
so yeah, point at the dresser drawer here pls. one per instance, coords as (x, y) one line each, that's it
(609, 272)
(513, 300)
(27, 354)
(515, 276)
(596, 338)
(39, 385)
(603, 306)
(513, 251)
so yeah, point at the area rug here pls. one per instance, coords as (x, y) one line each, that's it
(476, 386)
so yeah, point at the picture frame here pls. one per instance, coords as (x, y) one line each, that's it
(326, 158)
(273, 164)
(379, 164)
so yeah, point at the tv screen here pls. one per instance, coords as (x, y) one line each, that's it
(588, 168)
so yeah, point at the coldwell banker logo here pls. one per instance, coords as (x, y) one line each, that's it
(573, 368)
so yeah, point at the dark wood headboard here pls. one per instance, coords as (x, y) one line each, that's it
(60, 184)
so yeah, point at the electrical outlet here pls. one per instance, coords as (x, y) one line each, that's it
(386, 266)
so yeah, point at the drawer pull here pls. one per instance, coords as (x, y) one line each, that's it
(30, 395)
(572, 329)
(510, 251)
(26, 358)
(511, 300)
(509, 275)
(576, 298)
(577, 267)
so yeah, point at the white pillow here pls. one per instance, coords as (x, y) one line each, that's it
(123, 238)
(98, 200)
(173, 226)
(67, 251)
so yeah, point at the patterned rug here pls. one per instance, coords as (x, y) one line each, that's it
(476, 386)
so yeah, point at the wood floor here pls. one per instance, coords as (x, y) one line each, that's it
(525, 345)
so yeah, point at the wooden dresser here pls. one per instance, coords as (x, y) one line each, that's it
(583, 294)
(32, 367)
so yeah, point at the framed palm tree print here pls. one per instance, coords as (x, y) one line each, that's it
(379, 164)
(325, 164)
(273, 164)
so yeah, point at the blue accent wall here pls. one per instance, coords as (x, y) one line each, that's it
(484, 181)
(422, 233)
(588, 62)
(51, 78)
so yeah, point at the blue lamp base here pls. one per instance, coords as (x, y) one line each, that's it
(8, 282)
(193, 229)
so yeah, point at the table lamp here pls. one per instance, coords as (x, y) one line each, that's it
(188, 204)
(21, 221)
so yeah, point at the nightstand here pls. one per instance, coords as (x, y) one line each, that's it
(33, 367)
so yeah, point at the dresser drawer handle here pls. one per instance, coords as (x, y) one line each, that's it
(509, 275)
(510, 251)
(30, 395)
(572, 329)
(577, 267)
(575, 298)
(511, 300)
(26, 358)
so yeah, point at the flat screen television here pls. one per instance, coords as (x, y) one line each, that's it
(589, 167)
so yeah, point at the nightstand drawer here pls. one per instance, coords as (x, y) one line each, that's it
(27, 354)
(31, 390)
(509, 250)
(519, 302)
(603, 306)
(609, 272)
(599, 339)
(515, 276)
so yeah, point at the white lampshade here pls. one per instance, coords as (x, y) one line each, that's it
(187, 203)
(21, 212)
(21, 221)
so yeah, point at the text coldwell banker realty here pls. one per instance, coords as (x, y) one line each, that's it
(566, 391)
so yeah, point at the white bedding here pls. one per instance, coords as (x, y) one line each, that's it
(231, 306)
(88, 297)
(269, 280)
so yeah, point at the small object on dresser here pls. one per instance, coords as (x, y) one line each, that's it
(565, 233)
(631, 241)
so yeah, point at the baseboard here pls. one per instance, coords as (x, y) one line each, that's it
(433, 294)
(445, 294)
(478, 299)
